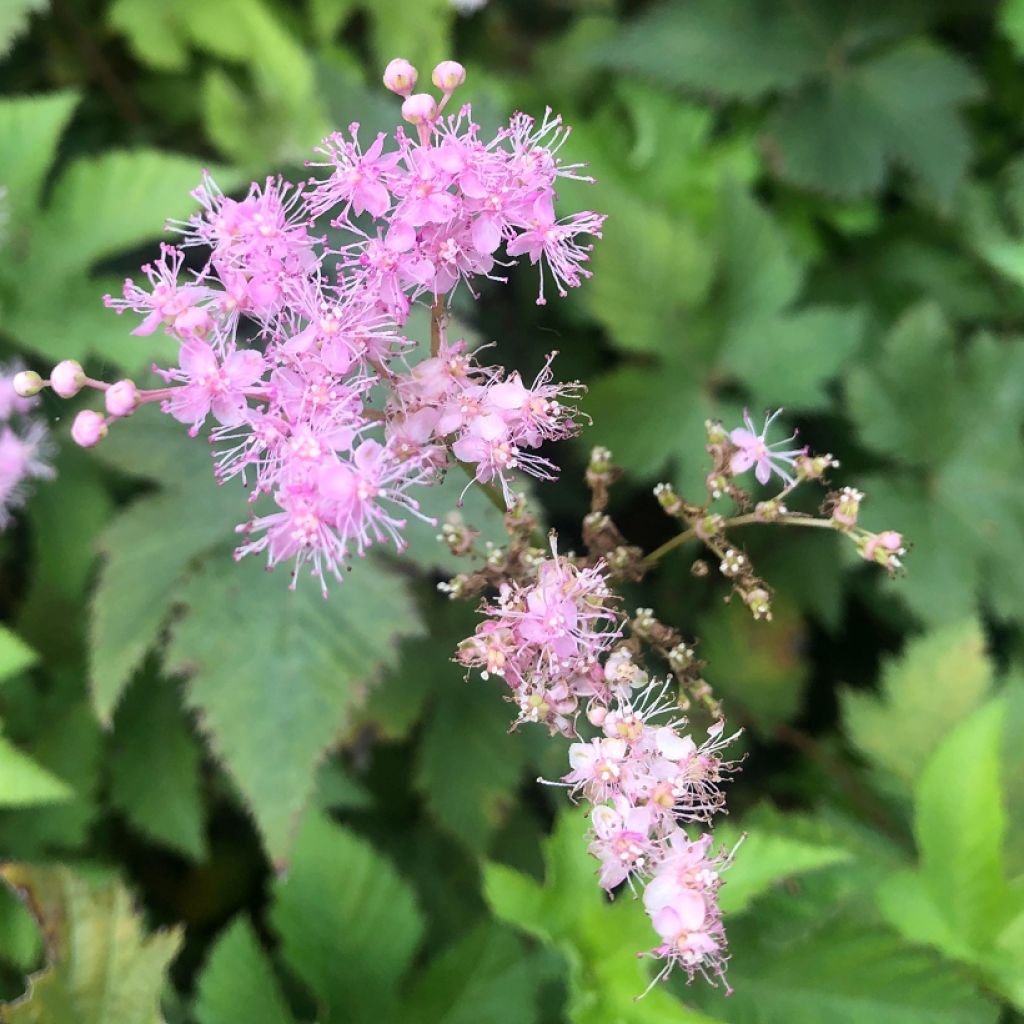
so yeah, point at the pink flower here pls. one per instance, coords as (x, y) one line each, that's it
(212, 385)
(555, 241)
(753, 450)
(623, 843)
(359, 180)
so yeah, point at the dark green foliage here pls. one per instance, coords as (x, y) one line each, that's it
(272, 807)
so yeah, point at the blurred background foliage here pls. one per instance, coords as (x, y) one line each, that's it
(222, 803)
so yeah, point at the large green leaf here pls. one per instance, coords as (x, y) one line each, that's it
(349, 925)
(30, 128)
(945, 415)
(104, 967)
(468, 763)
(274, 673)
(15, 654)
(163, 533)
(960, 899)
(936, 683)
(23, 782)
(903, 106)
(14, 19)
(843, 973)
(734, 48)
(767, 858)
(237, 985)
(486, 976)
(962, 867)
(154, 767)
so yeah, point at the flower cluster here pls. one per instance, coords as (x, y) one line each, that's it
(546, 641)
(291, 351)
(557, 641)
(24, 445)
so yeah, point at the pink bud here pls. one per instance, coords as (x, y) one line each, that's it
(891, 540)
(67, 378)
(420, 108)
(400, 76)
(88, 429)
(27, 383)
(597, 713)
(448, 75)
(122, 398)
(195, 322)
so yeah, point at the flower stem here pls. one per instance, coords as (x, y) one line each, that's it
(438, 323)
(748, 519)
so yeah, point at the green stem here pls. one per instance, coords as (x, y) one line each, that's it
(748, 519)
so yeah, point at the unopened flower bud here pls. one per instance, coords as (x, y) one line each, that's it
(67, 378)
(681, 657)
(400, 76)
(600, 460)
(668, 499)
(716, 432)
(734, 563)
(846, 507)
(122, 398)
(27, 383)
(769, 511)
(596, 714)
(709, 526)
(814, 467)
(759, 601)
(448, 75)
(420, 108)
(885, 548)
(88, 429)
(717, 484)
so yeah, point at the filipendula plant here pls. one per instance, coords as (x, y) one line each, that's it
(292, 358)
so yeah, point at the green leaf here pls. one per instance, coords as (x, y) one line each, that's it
(843, 973)
(766, 859)
(468, 764)
(962, 867)
(828, 139)
(237, 985)
(14, 19)
(756, 665)
(125, 198)
(788, 360)
(274, 674)
(30, 128)
(419, 30)
(486, 976)
(646, 250)
(918, 402)
(104, 967)
(1011, 23)
(759, 272)
(938, 681)
(734, 48)
(155, 767)
(68, 744)
(839, 136)
(154, 32)
(349, 925)
(15, 655)
(23, 782)
(278, 115)
(148, 547)
(599, 940)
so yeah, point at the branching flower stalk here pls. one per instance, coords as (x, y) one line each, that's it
(334, 419)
